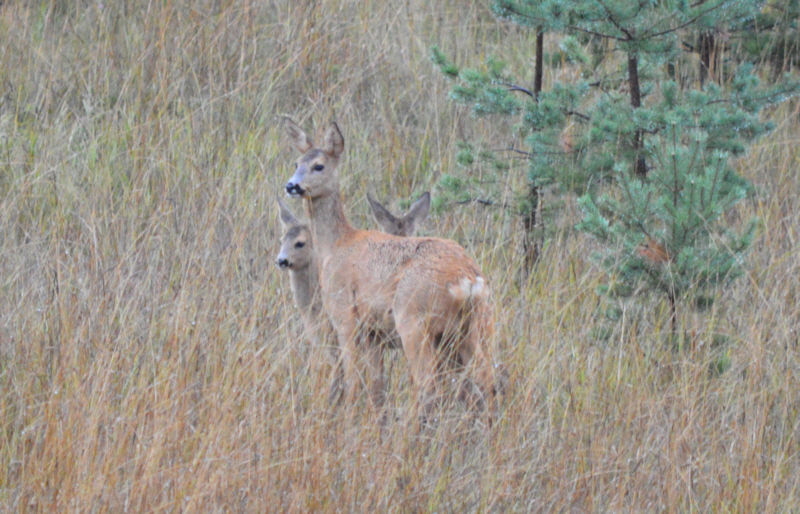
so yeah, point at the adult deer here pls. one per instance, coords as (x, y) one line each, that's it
(426, 290)
(298, 257)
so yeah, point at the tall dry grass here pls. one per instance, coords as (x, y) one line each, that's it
(149, 353)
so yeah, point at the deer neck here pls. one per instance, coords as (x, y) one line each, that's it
(305, 287)
(327, 220)
(302, 281)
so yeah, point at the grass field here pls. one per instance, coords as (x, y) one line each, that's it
(149, 352)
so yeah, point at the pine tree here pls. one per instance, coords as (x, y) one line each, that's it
(668, 232)
(650, 149)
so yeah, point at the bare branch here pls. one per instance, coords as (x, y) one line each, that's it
(480, 201)
(514, 87)
(515, 150)
(577, 114)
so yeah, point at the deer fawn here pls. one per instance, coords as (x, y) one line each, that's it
(426, 290)
(298, 257)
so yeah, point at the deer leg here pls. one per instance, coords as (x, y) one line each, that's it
(336, 389)
(347, 369)
(422, 361)
(480, 395)
(374, 376)
(329, 339)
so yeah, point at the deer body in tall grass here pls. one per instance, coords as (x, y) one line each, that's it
(426, 290)
(298, 257)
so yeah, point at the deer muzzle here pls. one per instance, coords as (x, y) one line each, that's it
(294, 189)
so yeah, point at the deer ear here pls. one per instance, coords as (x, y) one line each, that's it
(419, 209)
(297, 136)
(384, 218)
(334, 141)
(287, 218)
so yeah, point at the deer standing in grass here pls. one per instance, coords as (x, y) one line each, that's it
(298, 257)
(426, 290)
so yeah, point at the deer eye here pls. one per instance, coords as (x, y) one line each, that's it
(318, 167)
(299, 244)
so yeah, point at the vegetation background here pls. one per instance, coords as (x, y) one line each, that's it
(149, 352)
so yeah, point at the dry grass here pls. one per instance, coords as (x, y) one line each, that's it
(148, 349)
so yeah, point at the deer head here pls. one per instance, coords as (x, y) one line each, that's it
(296, 250)
(315, 170)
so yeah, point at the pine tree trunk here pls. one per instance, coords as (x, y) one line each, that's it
(640, 166)
(529, 243)
(537, 72)
(673, 313)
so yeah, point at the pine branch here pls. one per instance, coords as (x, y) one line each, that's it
(616, 23)
(595, 33)
(687, 23)
(526, 16)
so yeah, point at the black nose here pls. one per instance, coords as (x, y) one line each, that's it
(294, 189)
(283, 263)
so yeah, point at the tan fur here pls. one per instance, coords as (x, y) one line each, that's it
(426, 290)
(297, 256)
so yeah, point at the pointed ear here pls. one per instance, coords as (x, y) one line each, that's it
(287, 218)
(419, 209)
(384, 218)
(297, 136)
(334, 141)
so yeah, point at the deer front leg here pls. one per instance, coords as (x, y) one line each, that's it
(336, 388)
(361, 365)
(348, 368)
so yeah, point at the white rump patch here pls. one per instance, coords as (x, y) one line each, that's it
(467, 289)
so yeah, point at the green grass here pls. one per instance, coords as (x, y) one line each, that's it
(149, 352)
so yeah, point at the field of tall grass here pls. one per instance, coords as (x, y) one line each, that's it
(150, 357)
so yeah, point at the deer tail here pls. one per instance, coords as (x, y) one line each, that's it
(468, 290)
